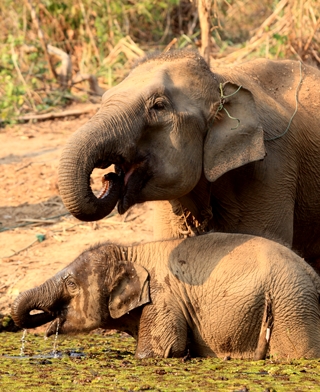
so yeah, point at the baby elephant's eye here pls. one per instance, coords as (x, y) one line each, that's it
(71, 284)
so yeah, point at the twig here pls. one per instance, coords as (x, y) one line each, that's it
(16, 66)
(65, 113)
(41, 37)
(21, 250)
(122, 45)
(316, 55)
(170, 44)
(83, 11)
(24, 166)
(109, 13)
(269, 21)
(32, 220)
(306, 46)
(66, 229)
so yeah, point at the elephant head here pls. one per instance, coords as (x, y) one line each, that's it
(162, 127)
(94, 291)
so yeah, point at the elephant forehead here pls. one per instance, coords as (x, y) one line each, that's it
(142, 85)
(83, 272)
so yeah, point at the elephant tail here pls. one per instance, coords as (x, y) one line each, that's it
(265, 331)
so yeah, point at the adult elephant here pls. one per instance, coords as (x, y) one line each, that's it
(234, 149)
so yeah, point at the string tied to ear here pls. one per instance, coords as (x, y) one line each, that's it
(223, 101)
(295, 110)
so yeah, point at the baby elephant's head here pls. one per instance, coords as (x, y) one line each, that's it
(98, 287)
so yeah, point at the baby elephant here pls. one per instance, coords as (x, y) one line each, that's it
(214, 295)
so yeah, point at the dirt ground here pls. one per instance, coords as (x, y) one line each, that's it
(38, 237)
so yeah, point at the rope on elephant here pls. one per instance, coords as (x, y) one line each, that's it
(222, 102)
(295, 111)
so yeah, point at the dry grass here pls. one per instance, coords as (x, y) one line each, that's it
(103, 38)
(291, 30)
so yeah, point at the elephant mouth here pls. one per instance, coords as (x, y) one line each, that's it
(134, 177)
(55, 327)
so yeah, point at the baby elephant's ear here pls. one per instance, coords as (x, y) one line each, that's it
(130, 291)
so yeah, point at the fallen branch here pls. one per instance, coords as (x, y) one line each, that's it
(93, 83)
(21, 250)
(66, 65)
(65, 113)
(32, 220)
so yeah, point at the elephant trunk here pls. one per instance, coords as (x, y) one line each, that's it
(42, 298)
(103, 141)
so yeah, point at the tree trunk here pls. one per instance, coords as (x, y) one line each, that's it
(204, 10)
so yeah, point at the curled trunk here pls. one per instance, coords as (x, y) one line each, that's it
(40, 298)
(102, 141)
(82, 153)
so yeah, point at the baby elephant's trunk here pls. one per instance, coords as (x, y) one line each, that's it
(35, 299)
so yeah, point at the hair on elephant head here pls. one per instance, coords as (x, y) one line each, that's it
(228, 145)
(214, 295)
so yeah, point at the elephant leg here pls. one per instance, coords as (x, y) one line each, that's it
(162, 333)
(297, 335)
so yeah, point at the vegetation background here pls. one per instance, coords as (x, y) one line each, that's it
(54, 53)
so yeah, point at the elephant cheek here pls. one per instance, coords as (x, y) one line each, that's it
(80, 321)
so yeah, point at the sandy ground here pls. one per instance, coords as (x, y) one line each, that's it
(31, 209)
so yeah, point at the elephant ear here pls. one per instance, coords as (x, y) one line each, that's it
(131, 290)
(233, 141)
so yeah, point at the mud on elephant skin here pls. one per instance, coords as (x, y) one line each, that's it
(215, 295)
(226, 145)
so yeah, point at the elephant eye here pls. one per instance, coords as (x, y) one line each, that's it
(71, 284)
(158, 105)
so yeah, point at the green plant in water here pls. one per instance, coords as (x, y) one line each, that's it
(106, 362)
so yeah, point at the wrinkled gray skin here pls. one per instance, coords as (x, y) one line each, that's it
(163, 130)
(216, 294)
